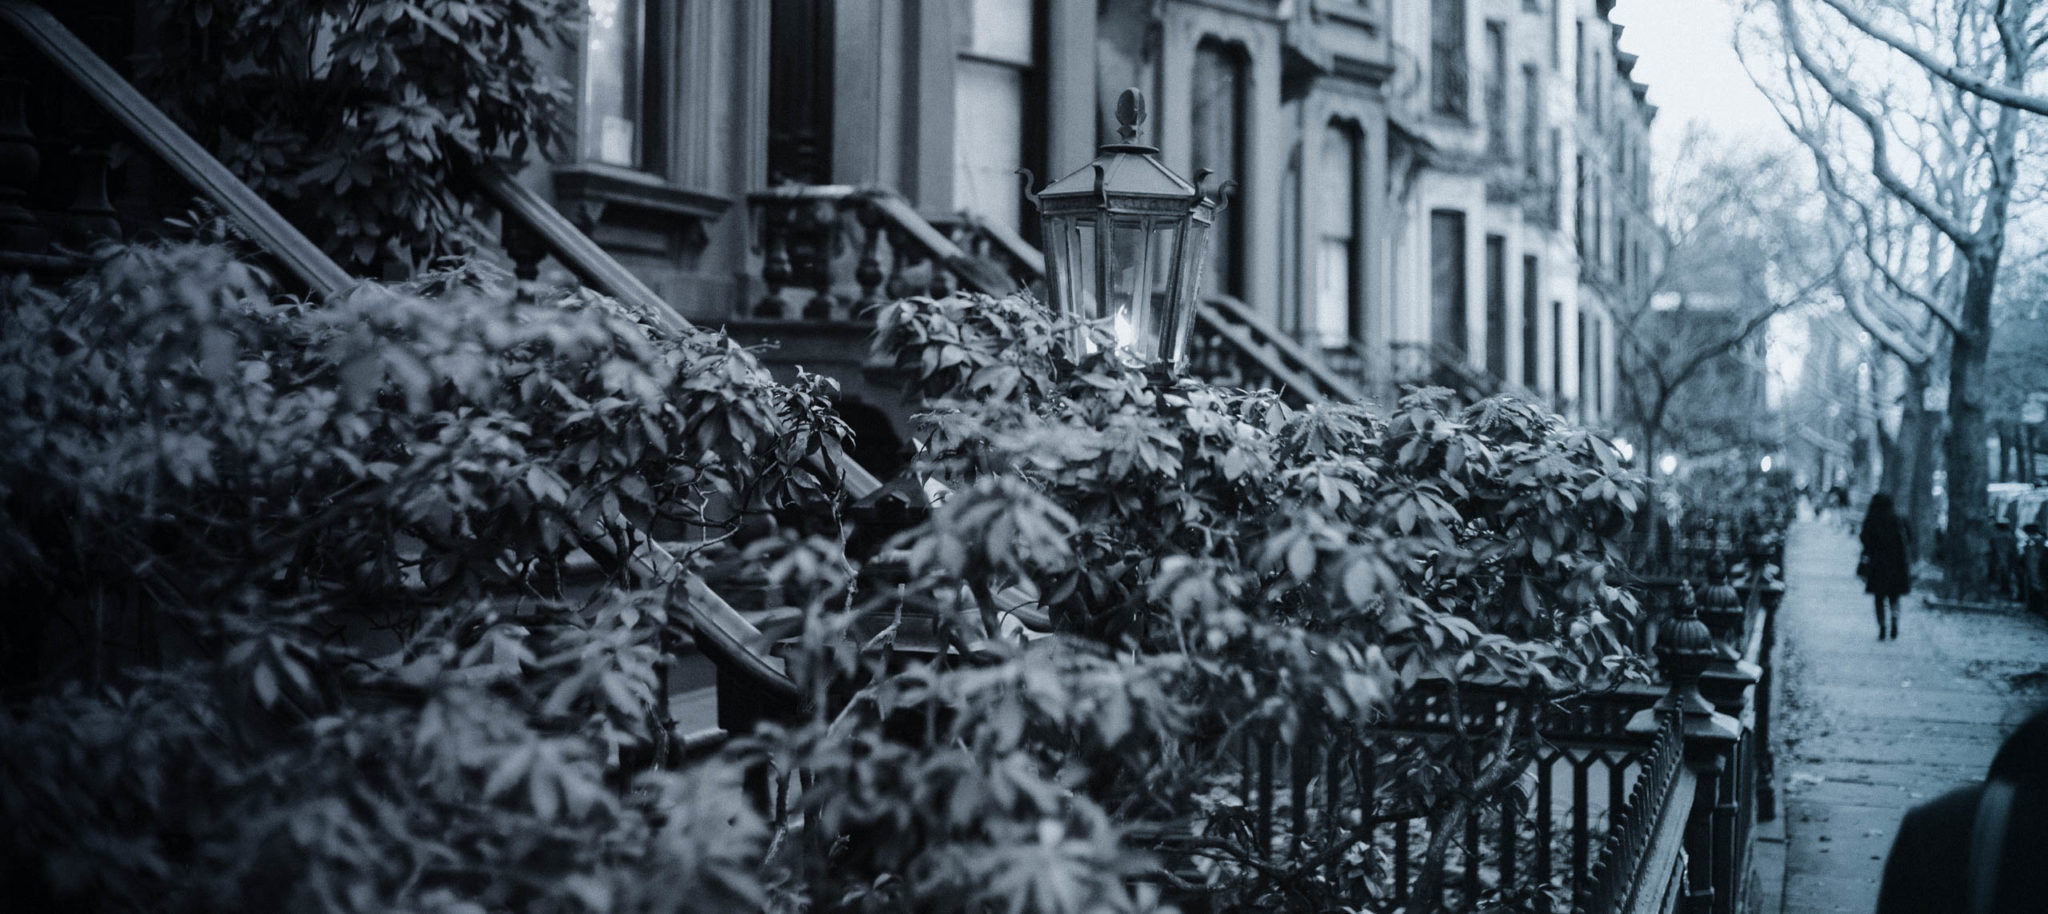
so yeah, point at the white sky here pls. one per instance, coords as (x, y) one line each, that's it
(1688, 60)
(1686, 51)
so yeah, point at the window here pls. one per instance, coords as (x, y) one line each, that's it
(1599, 216)
(1596, 86)
(1217, 124)
(1579, 202)
(1532, 123)
(1447, 278)
(1339, 261)
(1556, 160)
(800, 63)
(994, 97)
(1497, 305)
(1557, 35)
(1497, 89)
(621, 86)
(1556, 349)
(1448, 82)
(1621, 251)
(1597, 370)
(1532, 321)
(1579, 64)
(1585, 382)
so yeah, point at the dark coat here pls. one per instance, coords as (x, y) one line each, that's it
(1928, 870)
(1884, 544)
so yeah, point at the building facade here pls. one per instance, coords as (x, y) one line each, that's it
(1425, 190)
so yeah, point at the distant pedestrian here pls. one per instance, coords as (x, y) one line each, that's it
(1981, 849)
(2007, 575)
(2034, 569)
(1883, 565)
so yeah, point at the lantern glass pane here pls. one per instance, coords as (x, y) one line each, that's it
(1129, 294)
(1080, 284)
(1164, 233)
(1194, 259)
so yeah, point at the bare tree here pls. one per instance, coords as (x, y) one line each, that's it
(1735, 252)
(1918, 106)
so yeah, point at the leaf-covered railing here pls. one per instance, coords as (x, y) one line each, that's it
(35, 30)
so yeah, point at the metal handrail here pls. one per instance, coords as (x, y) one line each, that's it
(1315, 379)
(156, 131)
(591, 263)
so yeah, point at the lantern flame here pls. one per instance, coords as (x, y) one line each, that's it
(1126, 330)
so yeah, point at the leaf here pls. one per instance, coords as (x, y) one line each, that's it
(1301, 558)
(541, 789)
(619, 692)
(1360, 581)
(510, 769)
(265, 680)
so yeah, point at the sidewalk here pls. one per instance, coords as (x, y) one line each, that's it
(1867, 729)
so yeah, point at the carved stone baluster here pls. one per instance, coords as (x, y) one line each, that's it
(90, 217)
(19, 163)
(526, 249)
(898, 287)
(943, 283)
(776, 270)
(869, 272)
(813, 236)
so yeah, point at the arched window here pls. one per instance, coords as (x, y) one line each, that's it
(1217, 125)
(1340, 253)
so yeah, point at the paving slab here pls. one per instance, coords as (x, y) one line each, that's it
(1866, 729)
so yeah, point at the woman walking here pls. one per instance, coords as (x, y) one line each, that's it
(1883, 566)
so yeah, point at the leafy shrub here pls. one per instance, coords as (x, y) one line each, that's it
(297, 626)
(1308, 565)
(308, 631)
(357, 117)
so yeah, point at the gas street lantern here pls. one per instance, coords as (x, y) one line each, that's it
(1125, 242)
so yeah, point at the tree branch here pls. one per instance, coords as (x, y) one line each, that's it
(1880, 155)
(1949, 73)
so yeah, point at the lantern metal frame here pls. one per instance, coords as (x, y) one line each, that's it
(1126, 241)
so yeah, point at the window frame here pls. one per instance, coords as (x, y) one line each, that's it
(1450, 82)
(653, 58)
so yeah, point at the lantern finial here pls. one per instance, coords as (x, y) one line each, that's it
(1130, 114)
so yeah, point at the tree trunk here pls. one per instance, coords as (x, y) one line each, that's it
(1919, 431)
(1969, 505)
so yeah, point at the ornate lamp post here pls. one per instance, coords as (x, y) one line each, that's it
(1125, 241)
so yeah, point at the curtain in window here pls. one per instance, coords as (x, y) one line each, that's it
(1338, 259)
(612, 85)
(991, 95)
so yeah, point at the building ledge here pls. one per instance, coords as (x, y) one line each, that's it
(589, 191)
